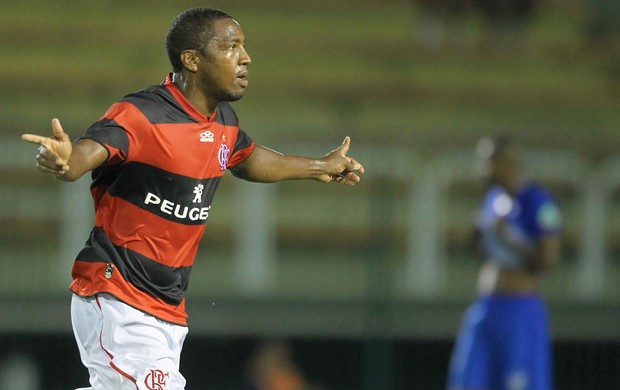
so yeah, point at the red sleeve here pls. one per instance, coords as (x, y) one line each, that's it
(116, 131)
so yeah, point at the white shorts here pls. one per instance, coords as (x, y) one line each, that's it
(124, 348)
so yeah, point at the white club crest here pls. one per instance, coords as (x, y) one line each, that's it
(222, 156)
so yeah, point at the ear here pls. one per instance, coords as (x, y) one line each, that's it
(190, 59)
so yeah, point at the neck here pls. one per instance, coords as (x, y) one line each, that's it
(190, 88)
(510, 185)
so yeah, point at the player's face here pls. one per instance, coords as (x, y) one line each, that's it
(505, 168)
(224, 69)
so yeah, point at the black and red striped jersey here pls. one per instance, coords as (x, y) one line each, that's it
(153, 195)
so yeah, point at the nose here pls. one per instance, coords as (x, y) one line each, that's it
(244, 58)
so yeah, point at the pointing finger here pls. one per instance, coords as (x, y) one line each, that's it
(35, 139)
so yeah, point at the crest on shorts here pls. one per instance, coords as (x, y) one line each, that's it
(156, 380)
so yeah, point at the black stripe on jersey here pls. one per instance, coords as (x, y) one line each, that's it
(159, 105)
(108, 132)
(226, 115)
(105, 175)
(177, 198)
(243, 141)
(164, 282)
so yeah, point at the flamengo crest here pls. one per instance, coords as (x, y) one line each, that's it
(222, 156)
(156, 380)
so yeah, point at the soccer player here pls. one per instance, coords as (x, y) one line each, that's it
(157, 157)
(504, 341)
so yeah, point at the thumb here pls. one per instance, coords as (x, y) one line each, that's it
(344, 148)
(58, 131)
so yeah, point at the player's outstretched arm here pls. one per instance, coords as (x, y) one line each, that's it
(266, 166)
(67, 161)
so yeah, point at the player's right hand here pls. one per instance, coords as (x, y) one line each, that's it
(53, 152)
(341, 168)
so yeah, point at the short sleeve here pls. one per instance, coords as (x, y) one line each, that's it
(244, 146)
(108, 132)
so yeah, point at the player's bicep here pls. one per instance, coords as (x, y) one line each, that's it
(260, 166)
(249, 169)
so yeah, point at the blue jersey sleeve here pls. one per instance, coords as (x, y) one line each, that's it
(540, 213)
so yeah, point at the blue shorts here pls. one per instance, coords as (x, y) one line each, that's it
(504, 344)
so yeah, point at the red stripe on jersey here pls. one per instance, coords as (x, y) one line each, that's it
(180, 148)
(132, 118)
(156, 128)
(89, 279)
(166, 242)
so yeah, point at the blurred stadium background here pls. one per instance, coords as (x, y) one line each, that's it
(366, 285)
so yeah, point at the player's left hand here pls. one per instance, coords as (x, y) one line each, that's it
(341, 168)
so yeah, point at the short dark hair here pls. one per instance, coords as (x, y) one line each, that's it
(191, 29)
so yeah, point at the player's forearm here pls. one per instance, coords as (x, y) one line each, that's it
(289, 167)
(268, 166)
(76, 170)
(86, 155)
(285, 168)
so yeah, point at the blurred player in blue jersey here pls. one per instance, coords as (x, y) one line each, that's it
(504, 341)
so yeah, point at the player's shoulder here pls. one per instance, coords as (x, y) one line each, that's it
(152, 95)
(158, 105)
(539, 199)
(536, 192)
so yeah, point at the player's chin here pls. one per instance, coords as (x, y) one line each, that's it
(233, 95)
